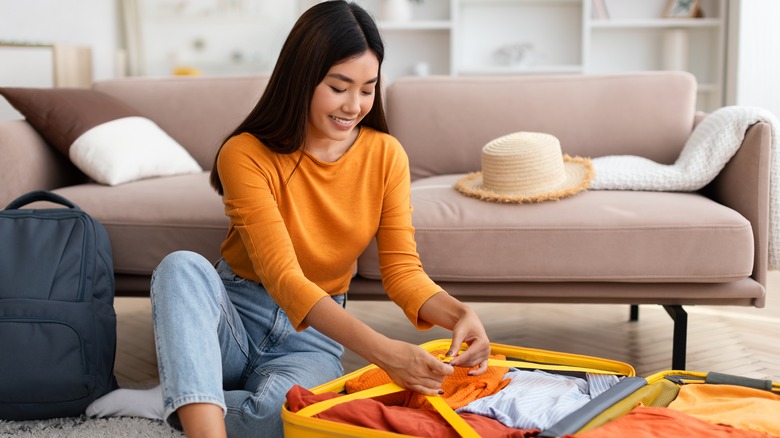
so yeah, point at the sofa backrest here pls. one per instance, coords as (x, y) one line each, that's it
(196, 111)
(443, 122)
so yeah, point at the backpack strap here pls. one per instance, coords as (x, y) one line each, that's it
(40, 195)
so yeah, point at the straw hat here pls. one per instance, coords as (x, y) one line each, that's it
(526, 167)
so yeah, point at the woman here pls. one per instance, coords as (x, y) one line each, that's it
(308, 179)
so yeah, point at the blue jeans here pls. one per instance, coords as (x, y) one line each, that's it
(222, 339)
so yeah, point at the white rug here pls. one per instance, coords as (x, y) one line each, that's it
(82, 427)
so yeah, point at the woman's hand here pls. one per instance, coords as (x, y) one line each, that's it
(411, 367)
(469, 330)
(446, 311)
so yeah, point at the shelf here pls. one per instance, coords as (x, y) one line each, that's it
(464, 37)
(218, 67)
(660, 23)
(558, 37)
(521, 2)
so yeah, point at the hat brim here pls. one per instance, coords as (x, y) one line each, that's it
(579, 172)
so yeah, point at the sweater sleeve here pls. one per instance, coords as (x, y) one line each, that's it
(399, 263)
(251, 205)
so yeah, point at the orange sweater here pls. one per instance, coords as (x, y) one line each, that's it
(302, 241)
(459, 388)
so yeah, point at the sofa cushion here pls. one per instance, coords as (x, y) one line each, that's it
(592, 236)
(105, 138)
(443, 122)
(148, 219)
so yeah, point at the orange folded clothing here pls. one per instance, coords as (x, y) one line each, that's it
(459, 388)
(736, 406)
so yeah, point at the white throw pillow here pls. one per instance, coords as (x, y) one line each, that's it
(129, 149)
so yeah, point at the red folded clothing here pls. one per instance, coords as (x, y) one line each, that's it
(398, 419)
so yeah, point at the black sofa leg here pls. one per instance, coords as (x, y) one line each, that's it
(680, 339)
(634, 316)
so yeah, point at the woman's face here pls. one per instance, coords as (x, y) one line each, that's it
(342, 99)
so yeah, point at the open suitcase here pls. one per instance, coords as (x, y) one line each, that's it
(598, 417)
(302, 423)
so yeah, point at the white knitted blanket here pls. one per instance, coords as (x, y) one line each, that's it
(711, 145)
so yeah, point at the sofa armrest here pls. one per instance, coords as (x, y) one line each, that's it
(743, 185)
(28, 163)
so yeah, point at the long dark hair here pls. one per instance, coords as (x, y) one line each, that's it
(325, 35)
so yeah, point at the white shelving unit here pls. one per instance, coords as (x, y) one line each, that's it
(421, 45)
(518, 37)
(456, 37)
(211, 37)
(511, 37)
(637, 37)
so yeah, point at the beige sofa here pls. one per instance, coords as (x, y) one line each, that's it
(621, 247)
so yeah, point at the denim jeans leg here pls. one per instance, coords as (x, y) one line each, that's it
(283, 358)
(256, 411)
(201, 342)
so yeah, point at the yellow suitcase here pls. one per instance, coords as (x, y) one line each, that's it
(303, 424)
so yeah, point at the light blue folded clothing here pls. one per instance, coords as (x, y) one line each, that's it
(538, 399)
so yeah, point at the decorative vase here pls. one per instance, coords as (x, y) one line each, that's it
(396, 10)
(676, 45)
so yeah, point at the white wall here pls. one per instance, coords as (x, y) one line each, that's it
(754, 54)
(85, 22)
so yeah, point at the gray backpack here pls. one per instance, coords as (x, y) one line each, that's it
(57, 319)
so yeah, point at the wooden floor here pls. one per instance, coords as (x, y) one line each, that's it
(742, 341)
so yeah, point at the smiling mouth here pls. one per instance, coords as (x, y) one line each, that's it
(344, 122)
